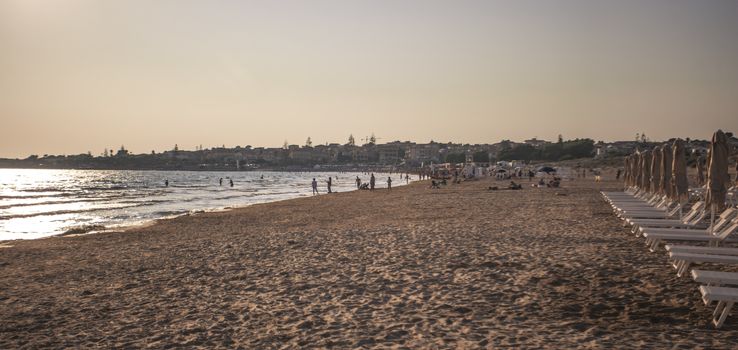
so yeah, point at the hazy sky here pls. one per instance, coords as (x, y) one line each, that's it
(78, 76)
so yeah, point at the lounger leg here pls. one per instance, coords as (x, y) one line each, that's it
(685, 266)
(723, 315)
(654, 245)
(718, 309)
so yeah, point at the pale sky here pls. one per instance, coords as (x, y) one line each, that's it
(78, 75)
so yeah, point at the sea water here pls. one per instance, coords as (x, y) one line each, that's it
(41, 203)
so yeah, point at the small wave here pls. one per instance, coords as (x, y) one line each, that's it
(82, 229)
(70, 211)
(168, 213)
(65, 194)
(105, 188)
(43, 189)
(151, 201)
(52, 202)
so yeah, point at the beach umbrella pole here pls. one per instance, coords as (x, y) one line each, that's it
(712, 217)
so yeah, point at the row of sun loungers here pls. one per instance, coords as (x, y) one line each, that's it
(692, 238)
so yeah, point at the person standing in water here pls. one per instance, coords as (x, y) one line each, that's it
(371, 182)
(358, 182)
(315, 187)
(389, 183)
(220, 181)
(166, 183)
(330, 182)
(231, 180)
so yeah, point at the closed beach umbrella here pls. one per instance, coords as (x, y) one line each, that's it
(656, 170)
(679, 172)
(700, 171)
(626, 172)
(634, 166)
(646, 164)
(717, 171)
(666, 159)
(637, 170)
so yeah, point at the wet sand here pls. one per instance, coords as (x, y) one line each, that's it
(459, 267)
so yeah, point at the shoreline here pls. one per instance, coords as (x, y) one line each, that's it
(85, 229)
(457, 267)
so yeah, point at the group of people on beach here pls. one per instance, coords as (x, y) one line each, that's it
(329, 183)
(359, 184)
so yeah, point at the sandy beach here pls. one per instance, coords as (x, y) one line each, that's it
(457, 267)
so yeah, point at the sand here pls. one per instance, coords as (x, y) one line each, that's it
(459, 267)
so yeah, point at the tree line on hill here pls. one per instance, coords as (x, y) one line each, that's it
(561, 150)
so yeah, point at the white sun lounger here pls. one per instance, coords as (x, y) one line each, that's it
(693, 219)
(725, 296)
(671, 211)
(712, 290)
(720, 232)
(682, 260)
(674, 248)
(715, 278)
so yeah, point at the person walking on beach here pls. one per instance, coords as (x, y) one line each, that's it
(407, 179)
(330, 182)
(371, 182)
(315, 187)
(358, 182)
(389, 183)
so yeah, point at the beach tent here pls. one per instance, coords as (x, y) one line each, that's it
(646, 165)
(717, 171)
(666, 160)
(546, 169)
(679, 172)
(656, 170)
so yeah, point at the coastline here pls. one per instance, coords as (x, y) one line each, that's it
(249, 190)
(456, 267)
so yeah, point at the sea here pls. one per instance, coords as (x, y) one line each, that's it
(42, 203)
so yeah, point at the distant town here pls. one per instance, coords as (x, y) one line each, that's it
(335, 156)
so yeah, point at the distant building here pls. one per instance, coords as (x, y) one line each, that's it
(423, 153)
(388, 153)
(536, 142)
